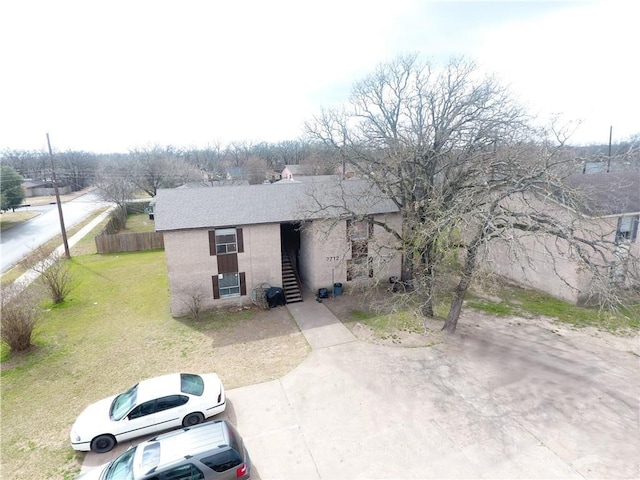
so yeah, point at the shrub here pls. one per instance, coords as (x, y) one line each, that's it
(55, 275)
(18, 318)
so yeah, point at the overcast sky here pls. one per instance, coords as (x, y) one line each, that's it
(107, 76)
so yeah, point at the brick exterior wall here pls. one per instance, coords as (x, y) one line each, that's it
(324, 251)
(190, 267)
(548, 265)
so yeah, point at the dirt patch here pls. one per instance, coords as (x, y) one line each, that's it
(470, 321)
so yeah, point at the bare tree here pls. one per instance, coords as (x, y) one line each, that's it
(76, 168)
(161, 167)
(116, 183)
(408, 127)
(457, 156)
(54, 274)
(193, 305)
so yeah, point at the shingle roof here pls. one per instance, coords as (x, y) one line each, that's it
(179, 209)
(612, 193)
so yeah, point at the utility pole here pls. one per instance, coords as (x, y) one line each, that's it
(55, 189)
(609, 159)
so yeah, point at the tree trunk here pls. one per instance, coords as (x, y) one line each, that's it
(427, 305)
(451, 322)
(429, 284)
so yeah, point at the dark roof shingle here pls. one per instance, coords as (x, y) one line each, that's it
(613, 193)
(179, 209)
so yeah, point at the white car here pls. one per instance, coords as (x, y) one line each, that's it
(153, 405)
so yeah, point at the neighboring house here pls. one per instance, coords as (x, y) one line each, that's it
(222, 243)
(42, 188)
(611, 212)
(289, 171)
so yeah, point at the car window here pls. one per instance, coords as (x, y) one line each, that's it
(185, 472)
(191, 384)
(172, 401)
(122, 467)
(235, 441)
(123, 403)
(142, 410)
(223, 461)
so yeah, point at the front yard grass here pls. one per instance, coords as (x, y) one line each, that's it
(10, 219)
(139, 223)
(115, 329)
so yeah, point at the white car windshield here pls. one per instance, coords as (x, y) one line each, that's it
(123, 403)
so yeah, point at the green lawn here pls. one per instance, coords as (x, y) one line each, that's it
(139, 223)
(90, 346)
(11, 219)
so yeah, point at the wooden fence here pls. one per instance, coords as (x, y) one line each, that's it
(128, 242)
(110, 241)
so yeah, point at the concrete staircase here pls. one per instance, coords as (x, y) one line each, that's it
(289, 280)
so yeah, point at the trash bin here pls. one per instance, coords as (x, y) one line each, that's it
(275, 296)
(337, 289)
(323, 293)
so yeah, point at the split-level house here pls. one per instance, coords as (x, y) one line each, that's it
(611, 212)
(224, 244)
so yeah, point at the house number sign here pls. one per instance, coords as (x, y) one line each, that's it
(333, 259)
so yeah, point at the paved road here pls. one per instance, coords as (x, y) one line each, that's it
(502, 399)
(19, 241)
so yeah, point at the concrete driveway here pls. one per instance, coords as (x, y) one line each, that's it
(502, 399)
(512, 401)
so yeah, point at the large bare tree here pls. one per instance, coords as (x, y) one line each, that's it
(410, 127)
(456, 154)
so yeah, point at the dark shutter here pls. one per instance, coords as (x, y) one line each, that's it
(228, 263)
(243, 284)
(216, 288)
(371, 228)
(348, 230)
(239, 240)
(212, 242)
(634, 228)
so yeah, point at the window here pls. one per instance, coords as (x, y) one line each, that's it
(123, 402)
(359, 230)
(359, 233)
(142, 410)
(226, 285)
(171, 401)
(185, 472)
(223, 461)
(226, 241)
(359, 268)
(627, 229)
(229, 284)
(191, 384)
(150, 456)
